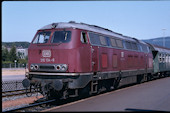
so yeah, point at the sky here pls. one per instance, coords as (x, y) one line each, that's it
(139, 19)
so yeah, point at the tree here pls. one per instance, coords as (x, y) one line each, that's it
(12, 54)
(5, 54)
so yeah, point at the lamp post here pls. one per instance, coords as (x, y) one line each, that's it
(164, 37)
(15, 62)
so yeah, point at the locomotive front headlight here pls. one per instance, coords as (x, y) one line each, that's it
(61, 67)
(64, 67)
(36, 67)
(32, 67)
(58, 67)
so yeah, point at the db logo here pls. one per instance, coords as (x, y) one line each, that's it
(46, 53)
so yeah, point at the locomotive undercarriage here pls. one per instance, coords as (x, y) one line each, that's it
(80, 85)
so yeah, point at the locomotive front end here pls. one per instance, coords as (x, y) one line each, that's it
(52, 61)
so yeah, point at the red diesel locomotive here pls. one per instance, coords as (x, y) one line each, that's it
(71, 59)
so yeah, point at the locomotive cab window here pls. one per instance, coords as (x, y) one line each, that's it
(61, 37)
(42, 37)
(83, 37)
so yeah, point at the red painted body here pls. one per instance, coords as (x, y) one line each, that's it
(79, 56)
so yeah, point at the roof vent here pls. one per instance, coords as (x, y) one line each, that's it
(72, 22)
(54, 25)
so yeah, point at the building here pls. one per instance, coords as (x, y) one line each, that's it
(22, 53)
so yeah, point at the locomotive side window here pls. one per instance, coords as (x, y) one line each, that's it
(42, 37)
(128, 45)
(144, 48)
(134, 46)
(119, 43)
(94, 38)
(113, 42)
(83, 37)
(108, 41)
(103, 40)
(61, 37)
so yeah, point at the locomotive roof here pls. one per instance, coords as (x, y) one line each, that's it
(88, 27)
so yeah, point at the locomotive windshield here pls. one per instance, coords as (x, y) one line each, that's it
(42, 37)
(61, 37)
(58, 37)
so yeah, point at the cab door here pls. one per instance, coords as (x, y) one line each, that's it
(84, 53)
(95, 51)
(95, 58)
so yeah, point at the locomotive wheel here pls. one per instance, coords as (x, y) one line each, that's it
(108, 84)
(85, 92)
(149, 77)
(54, 95)
(139, 79)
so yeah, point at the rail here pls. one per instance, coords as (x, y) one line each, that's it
(29, 106)
(18, 92)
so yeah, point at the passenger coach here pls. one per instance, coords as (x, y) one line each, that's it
(161, 57)
(67, 59)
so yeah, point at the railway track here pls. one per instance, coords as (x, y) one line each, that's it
(18, 92)
(31, 107)
(39, 106)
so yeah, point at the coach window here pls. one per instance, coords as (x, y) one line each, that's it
(166, 58)
(113, 42)
(160, 57)
(103, 40)
(119, 43)
(163, 58)
(83, 37)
